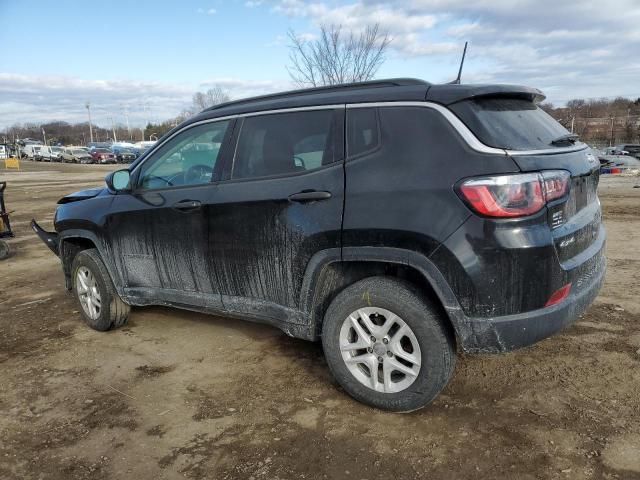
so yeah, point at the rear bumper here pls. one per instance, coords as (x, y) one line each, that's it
(510, 332)
(50, 239)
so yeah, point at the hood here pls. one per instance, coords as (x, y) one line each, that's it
(81, 195)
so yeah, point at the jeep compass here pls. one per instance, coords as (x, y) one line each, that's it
(395, 221)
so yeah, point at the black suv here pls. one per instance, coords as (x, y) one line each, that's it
(395, 220)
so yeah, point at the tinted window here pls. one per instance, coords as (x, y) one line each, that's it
(284, 143)
(509, 123)
(189, 158)
(362, 130)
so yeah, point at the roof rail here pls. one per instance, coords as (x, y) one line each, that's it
(391, 82)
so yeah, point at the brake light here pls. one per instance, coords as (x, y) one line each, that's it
(559, 295)
(508, 196)
(555, 183)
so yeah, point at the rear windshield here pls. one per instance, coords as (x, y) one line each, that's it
(510, 123)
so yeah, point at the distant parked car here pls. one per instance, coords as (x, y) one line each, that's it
(142, 147)
(102, 155)
(75, 155)
(4, 152)
(49, 154)
(31, 151)
(94, 145)
(124, 154)
(615, 151)
(629, 148)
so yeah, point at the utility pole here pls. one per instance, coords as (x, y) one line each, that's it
(611, 138)
(145, 107)
(113, 129)
(126, 116)
(88, 105)
(573, 120)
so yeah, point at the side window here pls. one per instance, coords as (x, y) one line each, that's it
(363, 133)
(276, 144)
(189, 158)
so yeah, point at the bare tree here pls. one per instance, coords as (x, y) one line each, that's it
(337, 57)
(211, 97)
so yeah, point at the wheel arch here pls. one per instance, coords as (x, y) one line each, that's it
(330, 271)
(74, 241)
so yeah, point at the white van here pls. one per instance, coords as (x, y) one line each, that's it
(31, 151)
(49, 154)
(3, 152)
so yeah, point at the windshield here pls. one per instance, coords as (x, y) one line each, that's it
(509, 123)
(79, 152)
(56, 149)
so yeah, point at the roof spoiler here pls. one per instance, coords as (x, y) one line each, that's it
(453, 93)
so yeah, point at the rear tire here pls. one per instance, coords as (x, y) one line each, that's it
(100, 305)
(403, 341)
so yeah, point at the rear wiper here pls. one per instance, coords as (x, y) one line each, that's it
(568, 138)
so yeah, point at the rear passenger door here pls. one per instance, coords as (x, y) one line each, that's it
(281, 203)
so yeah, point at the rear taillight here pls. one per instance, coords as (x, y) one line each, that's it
(508, 196)
(555, 184)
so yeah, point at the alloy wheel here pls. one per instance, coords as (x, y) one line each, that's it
(380, 349)
(88, 293)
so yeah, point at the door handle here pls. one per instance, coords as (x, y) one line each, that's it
(187, 205)
(309, 196)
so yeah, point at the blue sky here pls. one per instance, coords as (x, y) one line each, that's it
(147, 58)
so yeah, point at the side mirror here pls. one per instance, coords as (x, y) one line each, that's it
(119, 180)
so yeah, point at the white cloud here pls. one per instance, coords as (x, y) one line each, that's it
(208, 11)
(39, 99)
(567, 47)
(241, 88)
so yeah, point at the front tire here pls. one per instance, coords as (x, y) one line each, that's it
(387, 346)
(100, 305)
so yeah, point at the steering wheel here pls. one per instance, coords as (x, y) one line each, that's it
(198, 174)
(301, 160)
(168, 181)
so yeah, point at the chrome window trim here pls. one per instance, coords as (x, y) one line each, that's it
(294, 109)
(454, 121)
(550, 151)
(466, 133)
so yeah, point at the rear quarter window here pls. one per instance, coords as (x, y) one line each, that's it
(509, 123)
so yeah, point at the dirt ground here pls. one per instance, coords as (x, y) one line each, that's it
(176, 394)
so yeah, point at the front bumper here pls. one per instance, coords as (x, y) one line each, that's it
(50, 239)
(510, 332)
